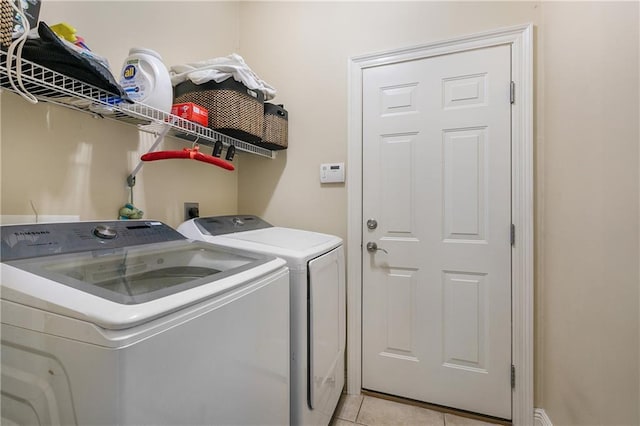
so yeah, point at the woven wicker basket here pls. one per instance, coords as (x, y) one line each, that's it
(6, 24)
(276, 127)
(233, 109)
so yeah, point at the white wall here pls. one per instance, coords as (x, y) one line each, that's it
(589, 306)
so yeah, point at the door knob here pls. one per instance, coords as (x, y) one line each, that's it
(373, 247)
(372, 224)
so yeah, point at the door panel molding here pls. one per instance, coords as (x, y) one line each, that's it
(521, 40)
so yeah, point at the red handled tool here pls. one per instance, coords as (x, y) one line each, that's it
(188, 153)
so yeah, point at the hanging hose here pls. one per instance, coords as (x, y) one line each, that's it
(129, 211)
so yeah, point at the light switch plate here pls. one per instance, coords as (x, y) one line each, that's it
(332, 173)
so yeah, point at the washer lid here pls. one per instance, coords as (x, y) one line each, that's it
(294, 245)
(119, 288)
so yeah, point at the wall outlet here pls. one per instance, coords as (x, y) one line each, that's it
(191, 210)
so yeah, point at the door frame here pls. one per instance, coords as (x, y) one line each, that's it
(521, 40)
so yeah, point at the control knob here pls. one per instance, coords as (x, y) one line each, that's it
(105, 232)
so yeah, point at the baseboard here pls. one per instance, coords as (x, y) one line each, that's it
(541, 418)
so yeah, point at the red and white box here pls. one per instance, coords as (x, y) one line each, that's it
(192, 112)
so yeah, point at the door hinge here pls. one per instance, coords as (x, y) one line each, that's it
(513, 92)
(513, 235)
(513, 376)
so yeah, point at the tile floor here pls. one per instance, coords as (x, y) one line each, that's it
(371, 411)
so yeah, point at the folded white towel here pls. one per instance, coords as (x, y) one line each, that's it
(219, 69)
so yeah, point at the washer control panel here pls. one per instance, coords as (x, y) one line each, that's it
(44, 239)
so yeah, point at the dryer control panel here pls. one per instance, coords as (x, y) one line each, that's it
(44, 239)
(219, 225)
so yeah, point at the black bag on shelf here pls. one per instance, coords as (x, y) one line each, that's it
(50, 52)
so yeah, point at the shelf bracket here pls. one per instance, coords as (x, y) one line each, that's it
(131, 179)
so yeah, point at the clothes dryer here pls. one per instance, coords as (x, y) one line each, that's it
(130, 323)
(318, 313)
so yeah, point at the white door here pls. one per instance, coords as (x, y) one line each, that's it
(437, 180)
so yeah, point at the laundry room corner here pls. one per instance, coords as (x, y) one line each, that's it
(56, 161)
(526, 143)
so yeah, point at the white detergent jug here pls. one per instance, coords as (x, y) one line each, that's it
(146, 79)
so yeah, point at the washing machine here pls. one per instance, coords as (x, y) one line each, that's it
(318, 317)
(130, 323)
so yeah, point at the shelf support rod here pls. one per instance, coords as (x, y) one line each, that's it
(131, 179)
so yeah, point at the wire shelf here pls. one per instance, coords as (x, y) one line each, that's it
(51, 86)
